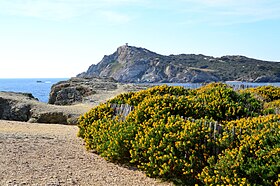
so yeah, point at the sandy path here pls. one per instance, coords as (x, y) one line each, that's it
(46, 154)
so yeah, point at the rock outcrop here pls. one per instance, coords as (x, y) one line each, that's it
(24, 107)
(139, 65)
(13, 110)
(75, 90)
(89, 90)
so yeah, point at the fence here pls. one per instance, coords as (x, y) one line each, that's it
(234, 85)
(122, 110)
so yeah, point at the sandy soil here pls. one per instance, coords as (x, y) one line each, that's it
(47, 154)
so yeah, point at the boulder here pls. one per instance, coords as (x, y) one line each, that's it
(49, 117)
(14, 109)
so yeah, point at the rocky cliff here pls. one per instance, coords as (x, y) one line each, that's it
(139, 65)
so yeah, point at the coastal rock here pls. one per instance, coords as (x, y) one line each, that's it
(11, 109)
(90, 91)
(75, 89)
(49, 117)
(24, 107)
(131, 64)
(69, 95)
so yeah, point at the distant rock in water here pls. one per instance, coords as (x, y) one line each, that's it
(131, 64)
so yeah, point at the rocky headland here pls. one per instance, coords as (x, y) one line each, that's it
(131, 64)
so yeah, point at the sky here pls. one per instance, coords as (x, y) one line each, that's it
(61, 38)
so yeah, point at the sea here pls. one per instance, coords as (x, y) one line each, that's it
(41, 87)
(38, 87)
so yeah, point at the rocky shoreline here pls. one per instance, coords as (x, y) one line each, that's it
(22, 107)
(68, 100)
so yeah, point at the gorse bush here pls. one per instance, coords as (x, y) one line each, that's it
(172, 133)
(220, 102)
(95, 114)
(272, 107)
(134, 98)
(265, 93)
(172, 148)
(254, 158)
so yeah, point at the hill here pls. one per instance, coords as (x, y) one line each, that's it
(139, 65)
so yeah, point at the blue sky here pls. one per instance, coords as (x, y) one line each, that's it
(61, 38)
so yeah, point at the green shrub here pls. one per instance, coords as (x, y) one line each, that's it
(111, 139)
(135, 98)
(168, 135)
(265, 93)
(272, 107)
(254, 158)
(95, 114)
(172, 148)
(222, 103)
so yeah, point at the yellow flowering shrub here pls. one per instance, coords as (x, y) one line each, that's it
(111, 138)
(135, 98)
(172, 147)
(253, 158)
(265, 93)
(96, 113)
(220, 102)
(272, 107)
(167, 135)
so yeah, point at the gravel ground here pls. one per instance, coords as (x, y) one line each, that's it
(48, 154)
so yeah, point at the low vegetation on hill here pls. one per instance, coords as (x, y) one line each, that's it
(212, 135)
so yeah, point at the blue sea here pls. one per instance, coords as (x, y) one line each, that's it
(39, 87)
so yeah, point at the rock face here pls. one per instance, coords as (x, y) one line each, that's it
(139, 65)
(12, 110)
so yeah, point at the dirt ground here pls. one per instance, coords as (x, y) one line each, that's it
(52, 155)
